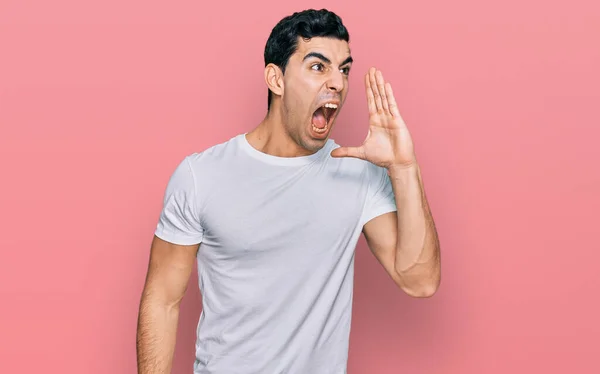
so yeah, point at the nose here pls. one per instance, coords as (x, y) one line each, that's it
(335, 82)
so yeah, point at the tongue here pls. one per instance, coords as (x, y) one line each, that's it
(319, 119)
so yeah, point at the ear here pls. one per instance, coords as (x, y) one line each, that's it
(274, 79)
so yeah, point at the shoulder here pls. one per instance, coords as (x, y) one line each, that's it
(213, 157)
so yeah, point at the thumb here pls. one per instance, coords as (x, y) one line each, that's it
(356, 152)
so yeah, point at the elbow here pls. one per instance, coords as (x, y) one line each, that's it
(420, 281)
(165, 301)
(420, 286)
(421, 291)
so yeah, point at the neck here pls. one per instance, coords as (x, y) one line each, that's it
(271, 137)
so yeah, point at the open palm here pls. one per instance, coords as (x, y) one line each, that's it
(388, 142)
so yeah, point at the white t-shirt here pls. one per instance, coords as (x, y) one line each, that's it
(276, 259)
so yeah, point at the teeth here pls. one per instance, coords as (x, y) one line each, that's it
(318, 130)
(330, 105)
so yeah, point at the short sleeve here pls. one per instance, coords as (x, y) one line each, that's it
(380, 195)
(179, 222)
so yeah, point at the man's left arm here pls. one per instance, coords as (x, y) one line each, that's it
(405, 242)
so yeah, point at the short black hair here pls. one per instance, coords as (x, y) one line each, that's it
(307, 24)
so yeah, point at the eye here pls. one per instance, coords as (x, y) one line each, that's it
(345, 70)
(317, 66)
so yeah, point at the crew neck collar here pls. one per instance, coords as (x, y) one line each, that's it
(277, 160)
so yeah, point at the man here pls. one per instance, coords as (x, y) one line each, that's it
(272, 218)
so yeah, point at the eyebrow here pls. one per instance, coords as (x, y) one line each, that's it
(318, 55)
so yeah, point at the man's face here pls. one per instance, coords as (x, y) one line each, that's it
(315, 88)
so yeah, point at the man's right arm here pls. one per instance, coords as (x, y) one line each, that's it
(168, 274)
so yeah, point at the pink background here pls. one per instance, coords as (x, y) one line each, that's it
(100, 100)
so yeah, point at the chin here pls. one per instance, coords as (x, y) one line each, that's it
(312, 141)
(315, 143)
(311, 144)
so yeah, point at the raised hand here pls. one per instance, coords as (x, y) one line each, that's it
(388, 142)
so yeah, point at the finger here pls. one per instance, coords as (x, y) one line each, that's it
(370, 98)
(356, 152)
(389, 93)
(381, 89)
(376, 94)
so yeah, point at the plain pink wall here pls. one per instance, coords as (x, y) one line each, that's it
(100, 100)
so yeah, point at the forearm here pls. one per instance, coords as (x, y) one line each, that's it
(156, 335)
(417, 259)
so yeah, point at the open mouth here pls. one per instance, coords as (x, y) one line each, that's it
(322, 117)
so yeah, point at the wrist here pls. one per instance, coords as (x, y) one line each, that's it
(406, 169)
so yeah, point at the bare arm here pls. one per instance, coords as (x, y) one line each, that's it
(406, 242)
(168, 275)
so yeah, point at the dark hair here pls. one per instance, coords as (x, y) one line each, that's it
(283, 41)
